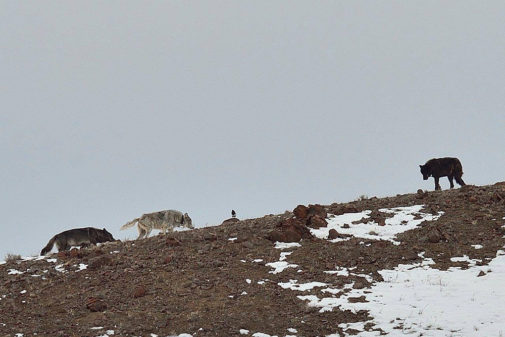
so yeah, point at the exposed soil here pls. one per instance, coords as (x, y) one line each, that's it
(202, 283)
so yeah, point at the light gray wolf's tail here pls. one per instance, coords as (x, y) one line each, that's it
(129, 224)
(48, 247)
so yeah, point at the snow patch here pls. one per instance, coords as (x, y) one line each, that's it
(82, 266)
(293, 285)
(465, 258)
(404, 219)
(280, 266)
(286, 245)
(419, 300)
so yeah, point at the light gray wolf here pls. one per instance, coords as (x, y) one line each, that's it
(77, 237)
(443, 167)
(163, 220)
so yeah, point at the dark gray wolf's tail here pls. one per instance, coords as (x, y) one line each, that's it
(48, 247)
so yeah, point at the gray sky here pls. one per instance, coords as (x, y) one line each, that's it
(111, 109)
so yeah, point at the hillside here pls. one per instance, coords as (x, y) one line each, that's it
(428, 263)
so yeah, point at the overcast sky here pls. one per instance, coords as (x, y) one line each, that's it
(112, 109)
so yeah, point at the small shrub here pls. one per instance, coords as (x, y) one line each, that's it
(12, 257)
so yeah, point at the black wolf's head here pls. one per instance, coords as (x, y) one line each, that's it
(105, 236)
(425, 171)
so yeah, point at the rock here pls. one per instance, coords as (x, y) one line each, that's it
(434, 236)
(316, 221)
(172, 242)
(342, 209)
(317, 210)
(410, 255)
(360, 299)
(360, 284)
(289, 230)
(295, 225)
(275, 236)
(482, 273)
(210, 237)
(333, 234)
(301, 212)
(139, 291)
(230, 220)
(378, 217)
(247, 244)
(291, 235)
(75, 253)
(96, 305)
(99, 262)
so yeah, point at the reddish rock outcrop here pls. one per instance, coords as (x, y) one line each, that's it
(290, 230)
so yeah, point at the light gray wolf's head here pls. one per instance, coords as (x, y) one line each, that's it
(186, 221)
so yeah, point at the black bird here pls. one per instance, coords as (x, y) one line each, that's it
(233, 214)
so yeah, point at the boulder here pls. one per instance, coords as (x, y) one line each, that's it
(333, 234)
(289, 230)
(316, 221)
(301, 212)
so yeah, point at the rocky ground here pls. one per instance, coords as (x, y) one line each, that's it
(217, 281)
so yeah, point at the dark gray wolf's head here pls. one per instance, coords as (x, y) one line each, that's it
(104, 236)
(186, 221)
(425, 171)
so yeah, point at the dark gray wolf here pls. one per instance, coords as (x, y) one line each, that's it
(77, 237)
(162, 220)
(443, 167)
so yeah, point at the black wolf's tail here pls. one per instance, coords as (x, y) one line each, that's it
(48, 247)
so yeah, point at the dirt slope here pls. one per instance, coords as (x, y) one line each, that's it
(215, 281)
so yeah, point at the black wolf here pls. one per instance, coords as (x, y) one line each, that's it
(77, 237)
(443, 167)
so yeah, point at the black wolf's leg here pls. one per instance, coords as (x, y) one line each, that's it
(450, 181)
(460, 181)
(437, 185)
